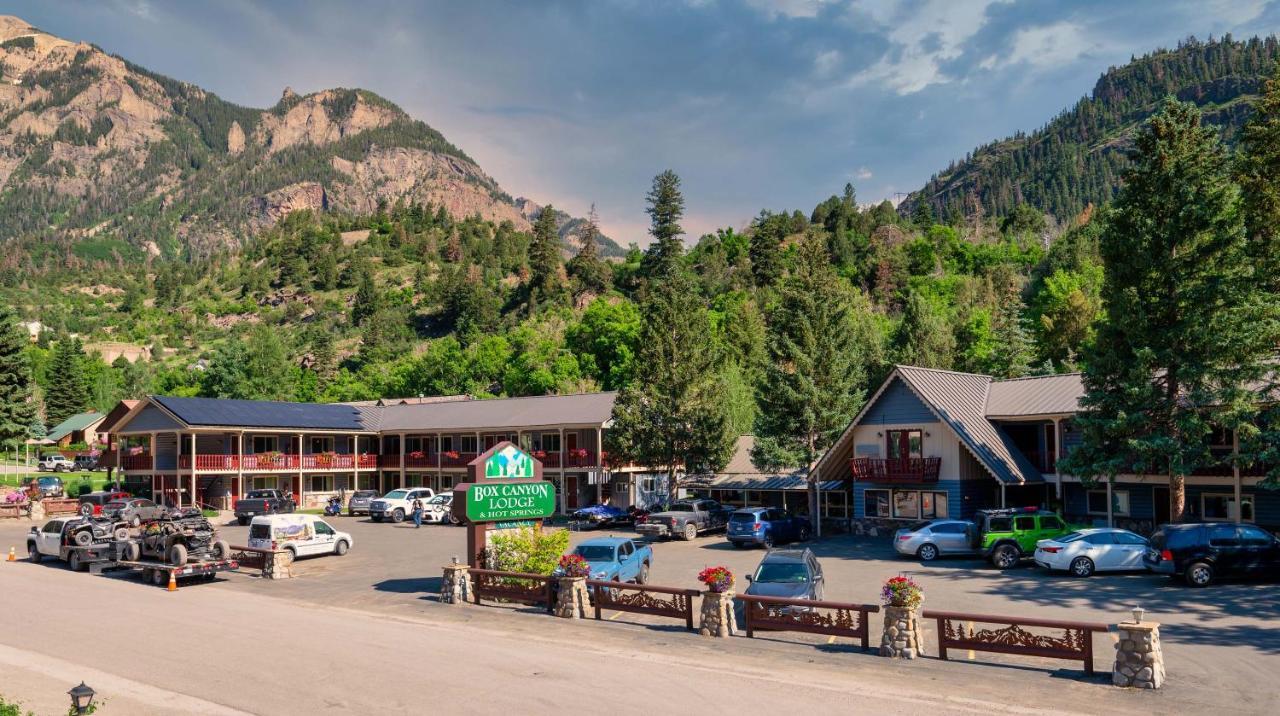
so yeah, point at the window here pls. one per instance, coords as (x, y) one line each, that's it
(875, 503)
(320, 483)
(948, 528)
(550, 442)
(933, 505)
(999, 524)
(626, 549)
(1128, 538)
(412, 444)
(1223, 536)
(446, 443)
(322, 444)
(905, 443)
(468, 443)
(265, 443)
(1051, 523)
(1119, 502)
(1255, 537)
(1024, 524)
(906, 504)
(323, 528)
(1099, 538)
(1222, 507)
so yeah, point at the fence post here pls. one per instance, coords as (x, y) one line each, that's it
(746, 615)
(595, 599)
(942, 640)
(688, 608)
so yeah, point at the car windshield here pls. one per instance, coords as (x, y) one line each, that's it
(1071, 537)
(397, 494)
(680, 507)
(743, 517)
(595, 552)
(260, 495)
(782, 572)
(50, 480)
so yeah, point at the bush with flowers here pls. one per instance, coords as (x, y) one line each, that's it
(717, 579)
(573, 565)
(902, 591)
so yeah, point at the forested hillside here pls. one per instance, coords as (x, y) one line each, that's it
(1077, 158)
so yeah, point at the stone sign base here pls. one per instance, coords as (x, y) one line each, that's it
(278, 565)
(1139, 659)
(901, 637)
(717, 615)
(456, 587)
(572, 600)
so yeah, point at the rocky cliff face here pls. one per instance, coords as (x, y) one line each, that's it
(94, 146)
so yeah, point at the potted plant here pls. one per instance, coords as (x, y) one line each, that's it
(718, 579)
(717, 617)
(574, 566)
(901, 596)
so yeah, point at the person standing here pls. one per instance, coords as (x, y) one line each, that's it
(417, 513)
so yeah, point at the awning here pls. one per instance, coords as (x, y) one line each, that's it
(768, 483)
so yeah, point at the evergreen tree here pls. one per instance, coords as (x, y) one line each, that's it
(590, 274)
(925, 338)
(1014, 348)
(67, 393)
(1188, 326)
(666, 207)
(544, 257)
(673, 415)
(812, 385)
(1258, 172)
(17, 411)
(766, 248)
(367, 301)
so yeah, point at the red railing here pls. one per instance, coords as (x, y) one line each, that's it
(319, 461)
(548, 459)
(135, 462)
(423, 460)
(581, 458)
(388, 461)
(456, 459)
(210, 462)
(266, 462)
(913, 469)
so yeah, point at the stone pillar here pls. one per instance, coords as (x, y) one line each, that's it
(572, 599)
(1139, 659)
(37, 511)
(277, 565)
(717, 615)
(456, 588)
(901, 637)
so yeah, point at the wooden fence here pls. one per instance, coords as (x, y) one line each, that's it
(519, 587)
(642, 599)
(1074, 643)
(807, 615)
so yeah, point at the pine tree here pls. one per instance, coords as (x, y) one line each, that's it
(367, 301)
(1014, 348)
(590, 274)
(544, 257)
(17, 412)
(925, 338)
(666, 207)
(673, 415)
(67, 393)
(1258, 172)
(1188, 324)
(766, 248)
(812, 385)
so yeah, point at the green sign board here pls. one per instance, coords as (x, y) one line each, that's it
(509, 463)
(501, 502)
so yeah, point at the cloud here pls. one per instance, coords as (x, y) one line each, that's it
(863, 174)
(1046, 46)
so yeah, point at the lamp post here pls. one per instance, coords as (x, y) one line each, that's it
(81, 698)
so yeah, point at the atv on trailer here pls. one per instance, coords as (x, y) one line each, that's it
(177, 540)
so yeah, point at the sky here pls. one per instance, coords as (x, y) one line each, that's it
(756, 104)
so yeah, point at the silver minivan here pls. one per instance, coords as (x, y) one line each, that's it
(929, 540)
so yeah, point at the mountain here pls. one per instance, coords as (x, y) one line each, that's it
(99, 156)
(1077, 158)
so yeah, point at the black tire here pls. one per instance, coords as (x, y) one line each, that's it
(1082, 567)
(132, 552)
(1005, 556)
(86, 509)
(220, 549)
(806, 533)
(454, 520)
(768, 541)
(74, 562)
(33, 554)
(83, 538)
(1199, 574)
(376, 518)
(242, 521)
(159, 577)
(398, 515)
(690, 532)
(643, 576)
(177, 555)
(341, 547)
(927, 552)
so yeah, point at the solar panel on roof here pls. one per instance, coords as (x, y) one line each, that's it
(263, 413)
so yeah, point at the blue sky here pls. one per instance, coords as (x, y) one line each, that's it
(755, 103)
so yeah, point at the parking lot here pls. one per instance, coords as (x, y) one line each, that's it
(1224, 637)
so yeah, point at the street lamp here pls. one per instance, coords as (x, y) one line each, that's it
(81, 698)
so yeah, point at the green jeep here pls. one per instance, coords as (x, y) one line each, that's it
(1006, 537)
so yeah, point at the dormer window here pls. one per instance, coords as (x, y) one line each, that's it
(902, 444)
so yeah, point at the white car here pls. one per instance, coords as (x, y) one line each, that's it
(438, 509)
(398, 504)
(303, 535)
(1094, 550)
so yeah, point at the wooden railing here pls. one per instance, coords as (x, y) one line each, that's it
(135, 462)
(912, 469)
(264, 462)
(639, 599)
(1075, 643)
(456, 459)
(316, 461)
(807, 615)
(519, 587)
(60, 506)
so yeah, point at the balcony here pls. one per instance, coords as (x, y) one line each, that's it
(268, 462)
(135, 462)
(904, 470)
(456, 459)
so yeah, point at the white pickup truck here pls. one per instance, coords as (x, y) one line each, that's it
(398, 504)
(75, 540)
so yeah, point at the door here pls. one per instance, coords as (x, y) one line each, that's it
(950, 537)
(322, 543)
(1224, 545)
(1131, 548)
(627, 568)
(50, 538)
(1257, 549)
(1160, 497)
(1104, 551)
(571, 492)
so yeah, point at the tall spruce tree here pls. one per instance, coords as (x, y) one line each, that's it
(812, 385)
(925, 338)
(67, 392)
(666, 207)
(673, 414)
(765, 248)
(1014, 348)
(590, 274)
(17, 412)
(367, 301)
(1189, 325)
(544, 258)
(1258, 173)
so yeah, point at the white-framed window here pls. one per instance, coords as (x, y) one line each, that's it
(321, 443)
(875, 503)
(320, 483)
(549, 442)
(933, 505)
(1119, 501)
(413, 480)
(468, 443)
(446, 443)
(1222, 507)
(265, 443)
(365, 481)
(906, 504)
(835, 503)
(264, 483)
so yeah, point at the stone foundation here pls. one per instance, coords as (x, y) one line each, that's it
(1139, 659)
(901, 636)
(717, 615)
(277, 565)
(572, 599)
(456, 587)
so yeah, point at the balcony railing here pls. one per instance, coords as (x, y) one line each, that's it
(913, 469)
(135, 462)
(266, 462)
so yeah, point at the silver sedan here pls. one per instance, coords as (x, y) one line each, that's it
(929, 540)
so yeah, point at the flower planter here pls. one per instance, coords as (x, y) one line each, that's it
(901, 636)
(572, 599)
(717, 618)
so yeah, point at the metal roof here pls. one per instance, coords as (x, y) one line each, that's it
(741, 474)
(79, 421)
(221, 412)
(535, 411)
(959, 400)
(1036, 395)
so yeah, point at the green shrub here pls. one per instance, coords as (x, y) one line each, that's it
(8, 708)
(80, 489)
(529, 549)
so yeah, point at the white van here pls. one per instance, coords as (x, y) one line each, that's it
(303, 535)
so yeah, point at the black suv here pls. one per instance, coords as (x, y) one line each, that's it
(1201, 553)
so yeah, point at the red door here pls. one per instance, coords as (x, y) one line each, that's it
(570, 492)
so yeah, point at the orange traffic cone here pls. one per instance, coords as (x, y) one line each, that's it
(173, 582)
(12, 555)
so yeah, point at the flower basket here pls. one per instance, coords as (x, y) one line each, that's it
(580, 453)
(417, 455)
(573, 565)
(452, 454)
(902, 592)
(717, 579)
(325, 459)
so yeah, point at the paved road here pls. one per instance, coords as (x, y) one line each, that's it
(364, 632)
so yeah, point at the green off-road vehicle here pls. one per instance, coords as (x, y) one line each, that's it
(1006, 537)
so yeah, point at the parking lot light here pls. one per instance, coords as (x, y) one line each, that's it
(81, 698)
(1138, 613)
